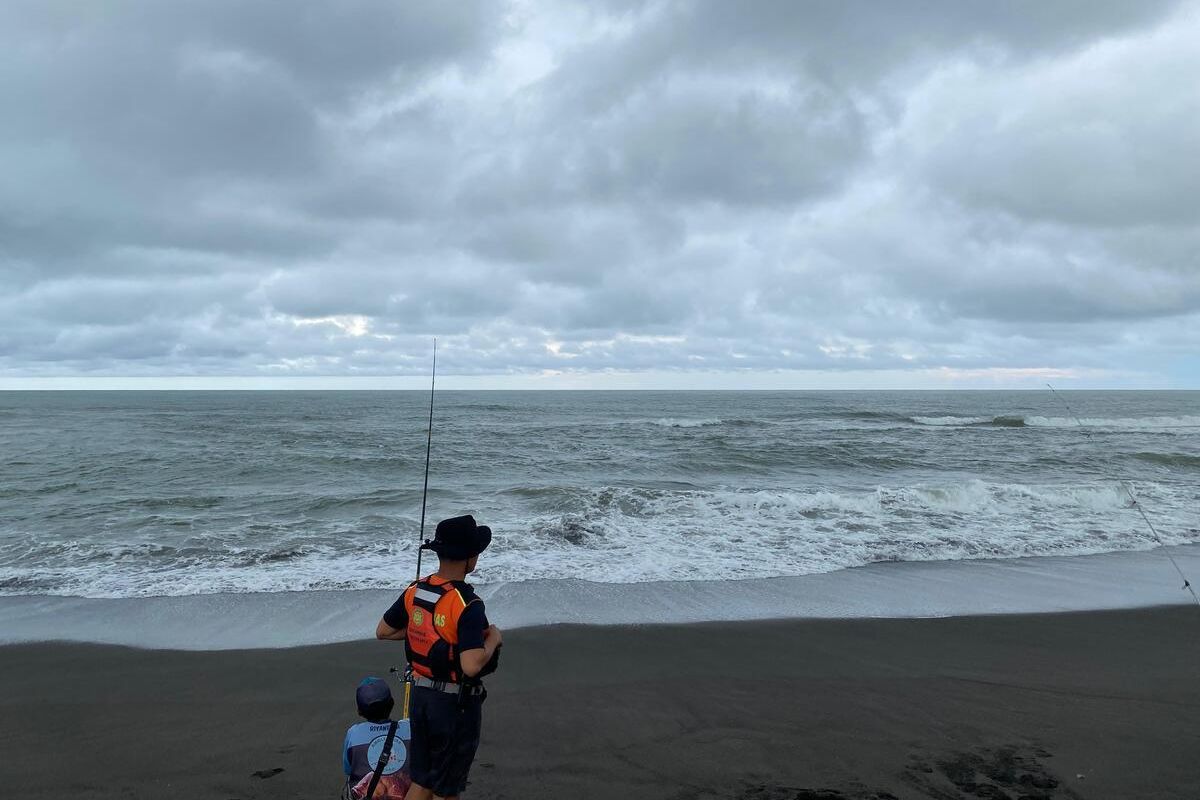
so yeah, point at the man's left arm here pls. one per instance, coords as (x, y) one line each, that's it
(477, 641)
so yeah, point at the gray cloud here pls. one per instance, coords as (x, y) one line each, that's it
(261, 189)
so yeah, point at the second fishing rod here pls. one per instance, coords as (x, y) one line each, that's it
(1187, 584)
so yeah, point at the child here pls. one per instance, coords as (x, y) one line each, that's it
(365, 743)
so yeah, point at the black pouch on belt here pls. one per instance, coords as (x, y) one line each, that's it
(464, 691)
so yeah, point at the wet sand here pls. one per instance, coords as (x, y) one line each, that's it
(1087, 705)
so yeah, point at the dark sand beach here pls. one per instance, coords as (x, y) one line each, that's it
(1088, 705)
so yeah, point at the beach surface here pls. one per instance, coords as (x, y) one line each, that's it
(1082, 705)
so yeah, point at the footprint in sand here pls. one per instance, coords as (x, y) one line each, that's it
(775, 792)
(1003, 773)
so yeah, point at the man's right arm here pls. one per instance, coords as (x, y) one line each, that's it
(394, 624)
(385, 631)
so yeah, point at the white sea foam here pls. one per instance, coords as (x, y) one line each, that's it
(951, 421)
(672, 422)
(635, 535)
(287, 619)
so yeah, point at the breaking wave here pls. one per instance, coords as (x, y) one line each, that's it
(629, 535)
(1007, 421)
(671, 422)
(959, 422)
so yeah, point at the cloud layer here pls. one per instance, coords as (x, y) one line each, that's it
(262, 189)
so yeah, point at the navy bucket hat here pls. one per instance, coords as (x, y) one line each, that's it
(459, 538)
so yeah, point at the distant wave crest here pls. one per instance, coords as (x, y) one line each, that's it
(1013, 421)
(1179, 460)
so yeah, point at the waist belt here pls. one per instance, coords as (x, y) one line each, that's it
(446, 686)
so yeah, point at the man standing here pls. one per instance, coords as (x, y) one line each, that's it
(450, 646)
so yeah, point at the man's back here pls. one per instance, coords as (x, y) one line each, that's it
(442, 619)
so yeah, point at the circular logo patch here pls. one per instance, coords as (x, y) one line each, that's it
(395, 760)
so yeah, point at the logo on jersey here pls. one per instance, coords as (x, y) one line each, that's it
(418, 616)
(398, 756)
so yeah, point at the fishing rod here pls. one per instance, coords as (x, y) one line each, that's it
(428, 449)
(1133, 499)
(407, 678)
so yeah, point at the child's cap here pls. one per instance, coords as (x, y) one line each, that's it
(372, 696)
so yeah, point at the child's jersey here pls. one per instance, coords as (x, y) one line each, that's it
(361, 752)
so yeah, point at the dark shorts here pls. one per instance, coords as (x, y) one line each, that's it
(445, 736)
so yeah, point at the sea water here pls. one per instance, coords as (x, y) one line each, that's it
(118, 494)
(179, 494)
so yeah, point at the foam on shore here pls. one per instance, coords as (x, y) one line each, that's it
(903, 589)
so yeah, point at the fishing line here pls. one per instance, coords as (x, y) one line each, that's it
(1133, 499)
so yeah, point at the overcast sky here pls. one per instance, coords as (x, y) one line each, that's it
(604, 194)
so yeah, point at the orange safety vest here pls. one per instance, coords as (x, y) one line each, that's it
(434, 606)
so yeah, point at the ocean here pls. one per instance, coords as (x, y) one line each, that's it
(148, 494)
